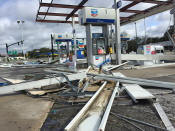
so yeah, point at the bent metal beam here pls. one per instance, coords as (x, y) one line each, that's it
(55, 21)
(55, 14)
(59, 5)
(145, 82)
(76, 9)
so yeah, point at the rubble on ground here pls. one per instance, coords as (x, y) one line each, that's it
(79, 97)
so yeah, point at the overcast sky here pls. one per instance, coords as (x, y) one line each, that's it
(37, 35)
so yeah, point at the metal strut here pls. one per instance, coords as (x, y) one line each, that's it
(74, 88)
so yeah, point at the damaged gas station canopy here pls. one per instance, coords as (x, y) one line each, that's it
(131, 10)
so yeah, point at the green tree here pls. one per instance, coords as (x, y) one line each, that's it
(35, 53)
(134, 43)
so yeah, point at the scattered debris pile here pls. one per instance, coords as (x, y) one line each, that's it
(91, 96)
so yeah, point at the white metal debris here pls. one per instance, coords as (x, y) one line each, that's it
(108, 109)
(77, 120)
(39, 83)
(131, 80)
(145, 57)
(113, 67)
(14, 81)
(136, 92)
(163, 117)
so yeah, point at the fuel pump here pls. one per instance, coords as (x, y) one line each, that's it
(97, 43)
(63, 46)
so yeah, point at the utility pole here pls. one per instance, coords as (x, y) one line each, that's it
(52, 47)
(145, 31)
(7, 49)
(22, 46)
(7, 52)
(117, 34)
(136, 30)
